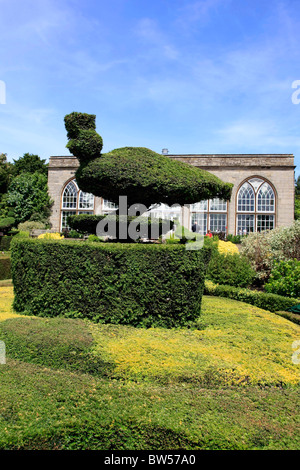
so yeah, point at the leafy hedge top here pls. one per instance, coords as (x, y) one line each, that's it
(87, 223)
(6, 222)
(142, 175)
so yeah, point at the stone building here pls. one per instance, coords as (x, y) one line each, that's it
(262, 196)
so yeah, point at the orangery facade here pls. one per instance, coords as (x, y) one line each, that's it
(262, 196)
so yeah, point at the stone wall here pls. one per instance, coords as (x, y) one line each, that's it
(277, 169)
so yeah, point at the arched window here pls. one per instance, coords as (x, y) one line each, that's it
(210, 215)
(69, 200)
(255, 206)
(74, 202)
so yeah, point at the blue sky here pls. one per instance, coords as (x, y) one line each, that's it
(207, 76)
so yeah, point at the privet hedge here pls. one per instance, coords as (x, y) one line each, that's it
(135, 284)
(271, 302)
(5, 268)
(87, 223)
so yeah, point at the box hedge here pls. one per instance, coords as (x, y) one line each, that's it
(266, 301)
(5, 268)
(134, 284)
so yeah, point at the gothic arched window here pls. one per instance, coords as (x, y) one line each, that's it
(255, 210)
(74, 202)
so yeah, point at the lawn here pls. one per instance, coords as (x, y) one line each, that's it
(228, 383)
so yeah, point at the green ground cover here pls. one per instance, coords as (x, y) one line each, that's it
(229, 383)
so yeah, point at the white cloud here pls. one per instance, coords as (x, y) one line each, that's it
(259, 134)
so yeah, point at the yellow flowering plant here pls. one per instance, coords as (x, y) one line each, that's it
(51, 236)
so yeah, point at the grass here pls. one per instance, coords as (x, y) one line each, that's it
(228, 384)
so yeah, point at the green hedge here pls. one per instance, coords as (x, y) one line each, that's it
(135, 284)
(87, 223)
(230, 269)
(5, 268)
(271, 302)
(294, 317)
(5, 242)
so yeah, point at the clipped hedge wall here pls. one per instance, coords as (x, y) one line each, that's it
(5, 242)
(5, 268)
(135, 284)
(87, 223)
(271, 302)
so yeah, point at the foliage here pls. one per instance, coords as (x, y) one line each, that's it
(146, 177)
(234, 238)
(75, 122)
(7, 223)
(23, 234)
(70, 349)
(5, 268)
(94, 239)
(72, 234)
(297, 208)
(28, 194)
(47, 403)
(227, 266)
(232, 269)
(227, 248)
(51, 236)
(31, 225)
(267, 301)
(87, 223)
(110, 283)
(265, 248)
(5, 173)
(285, 279)
(30, 163)
(297, 186)
(140, 174)
(294, 317)
(5, 242)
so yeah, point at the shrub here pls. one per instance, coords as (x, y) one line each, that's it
(28, 195)
(5, 242)
(5, 268)
(23, 234)
(227, 248)
(94, 238)
(266, 301)
(232, 269)
(86, 223)
(234, 238)
(51, 236)
(72, 234)
(265, 248)
(6, 223)
(137, 284)
(285, 279)
(31, 225)
(227, 266)
(294, 317)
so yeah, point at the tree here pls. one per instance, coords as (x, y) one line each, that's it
(297, 186)
(28, 195)
(6, 171)
(30, 163)
(142, 175)
(6, 224)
